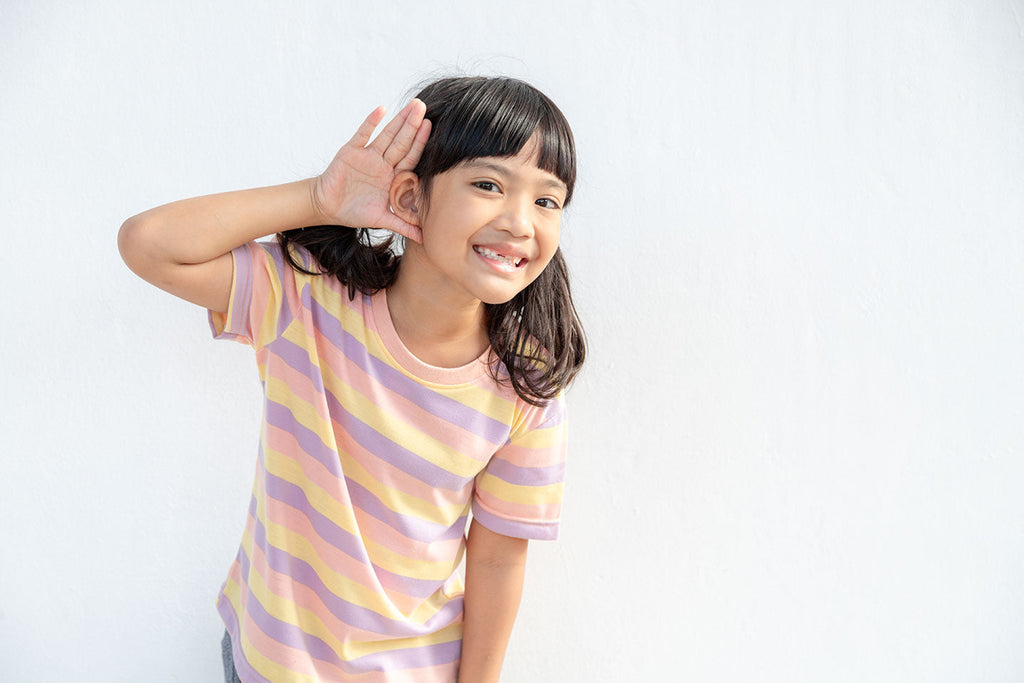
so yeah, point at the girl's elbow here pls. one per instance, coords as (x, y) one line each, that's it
(132, 244)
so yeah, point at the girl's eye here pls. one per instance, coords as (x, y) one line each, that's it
(486, 185)
(548, 203)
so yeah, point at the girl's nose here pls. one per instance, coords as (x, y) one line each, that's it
(519, 218)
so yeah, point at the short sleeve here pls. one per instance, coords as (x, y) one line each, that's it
(260, 293)
(519, 492)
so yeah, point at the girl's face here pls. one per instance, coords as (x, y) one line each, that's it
(492, 224)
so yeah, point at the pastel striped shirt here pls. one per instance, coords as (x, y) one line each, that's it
(370, 462)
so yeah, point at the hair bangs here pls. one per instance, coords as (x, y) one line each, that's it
(494, 117)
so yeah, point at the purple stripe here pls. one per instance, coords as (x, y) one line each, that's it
(290, 494)
(293, 636)
(412, 657)
(243, 277)
(241, 326)
(309, 441)
(376, 443)
(546, 531)
(354, 615)
(227, 613)
(437, 404)
(410, 527)
(297, 358)
(284, 272)
(526, 476)
(554, 414)
(397, 455)
(235, 324)
(413, 588)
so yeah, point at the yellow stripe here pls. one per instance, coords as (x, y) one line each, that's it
(266, 667)
(384, 419)
(305, 413)
(542, 439)
(301, 547)
(232, 592)
(398, 430)
(397, 563)
(270, 669)
(268, 319)
(321, 500)
(483, 399)
(399, 501)
(522, 495)
(285, 467)
(337, 302)
(310, 622)
(296, 545)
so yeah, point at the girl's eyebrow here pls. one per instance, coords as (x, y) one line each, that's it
(549, 181)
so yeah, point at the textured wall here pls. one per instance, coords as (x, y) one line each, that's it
(798, 449)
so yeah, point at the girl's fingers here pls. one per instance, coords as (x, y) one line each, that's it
(395, 224)
(419, 142)
(366, 129)
(403, 142)
(384, 139)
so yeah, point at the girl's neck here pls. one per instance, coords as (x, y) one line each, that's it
(440, 326)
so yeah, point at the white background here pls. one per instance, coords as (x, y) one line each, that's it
(798, 445)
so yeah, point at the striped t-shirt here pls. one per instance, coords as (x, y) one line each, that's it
(369, 464)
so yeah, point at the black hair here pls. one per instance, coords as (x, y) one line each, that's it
(537, 335)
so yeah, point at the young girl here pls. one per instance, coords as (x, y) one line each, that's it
(402, 392)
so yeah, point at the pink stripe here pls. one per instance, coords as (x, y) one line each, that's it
(382, 534)
(439, 405)
(324, 671)
(304, 597)
(543, 514)
(370, 624)
(395, 477)
(511, 528)
(532, 457)
(282, 441)
(297, 522)
(408, 591)
(336, 489)
(402, 408)
(303, 387)
(298, 661)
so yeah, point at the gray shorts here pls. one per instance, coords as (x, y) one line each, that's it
(230, 675)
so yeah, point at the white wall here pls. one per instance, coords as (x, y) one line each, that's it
(797, 448)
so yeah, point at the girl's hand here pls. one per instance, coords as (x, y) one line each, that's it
(354, 189)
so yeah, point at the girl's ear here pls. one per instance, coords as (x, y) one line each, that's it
(405, 196)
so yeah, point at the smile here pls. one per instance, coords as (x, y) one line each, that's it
(505, 263)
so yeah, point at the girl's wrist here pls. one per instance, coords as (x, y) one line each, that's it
(318, 216)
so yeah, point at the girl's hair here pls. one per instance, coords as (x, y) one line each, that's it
(537, 335)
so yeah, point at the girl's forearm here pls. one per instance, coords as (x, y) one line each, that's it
(495, 567)
(198, 230)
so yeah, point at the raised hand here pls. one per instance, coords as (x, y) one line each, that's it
(354, 189)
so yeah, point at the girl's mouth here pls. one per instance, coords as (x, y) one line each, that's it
(505, 263)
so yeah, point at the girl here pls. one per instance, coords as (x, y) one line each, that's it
(401, 391)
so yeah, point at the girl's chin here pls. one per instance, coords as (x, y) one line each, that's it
(497, 295)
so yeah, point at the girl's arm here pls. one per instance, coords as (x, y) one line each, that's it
(184, 247)
(495, 567)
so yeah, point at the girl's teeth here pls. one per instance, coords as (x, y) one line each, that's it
(507, 263)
